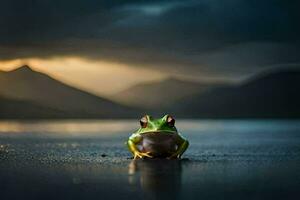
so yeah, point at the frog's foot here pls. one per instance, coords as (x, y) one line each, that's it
(174, 156)
(177, 155)
(142, 155)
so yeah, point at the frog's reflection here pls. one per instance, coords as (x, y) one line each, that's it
(157, 178)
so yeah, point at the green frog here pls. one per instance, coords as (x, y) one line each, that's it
(157, 138)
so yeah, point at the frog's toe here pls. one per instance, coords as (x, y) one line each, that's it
(146, 154)
(142, 155)
(137, 156)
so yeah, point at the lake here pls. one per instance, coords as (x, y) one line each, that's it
(87, 159)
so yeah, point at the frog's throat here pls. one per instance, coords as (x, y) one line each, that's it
(162, 131)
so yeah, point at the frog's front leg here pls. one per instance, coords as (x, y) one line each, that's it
(134, 150)
(183, 144)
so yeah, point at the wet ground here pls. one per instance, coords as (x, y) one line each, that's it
(88, 160)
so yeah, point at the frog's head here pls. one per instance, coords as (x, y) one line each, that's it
(164, 124)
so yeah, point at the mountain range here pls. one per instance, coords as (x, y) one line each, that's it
(38, 91)
(161, 94)
(273, 94)
(28, 94)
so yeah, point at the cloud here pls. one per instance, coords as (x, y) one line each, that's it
(189, 37)
(155, 9)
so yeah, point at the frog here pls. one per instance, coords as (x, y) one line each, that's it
(157, 138)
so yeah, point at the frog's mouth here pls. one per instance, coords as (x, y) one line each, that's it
(155, 133)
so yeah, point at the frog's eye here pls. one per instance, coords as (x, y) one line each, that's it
(171, 121)
(144, 122)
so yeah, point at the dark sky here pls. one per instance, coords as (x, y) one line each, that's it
(229, 37)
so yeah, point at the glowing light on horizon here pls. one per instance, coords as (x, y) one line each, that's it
(8, 65)
(98, 77)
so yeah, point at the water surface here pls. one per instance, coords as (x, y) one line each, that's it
(227, 159)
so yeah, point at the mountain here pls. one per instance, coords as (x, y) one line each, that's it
(28, 94)
(160, 94)
(26, 85)
(268, 95)
(17, 109)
